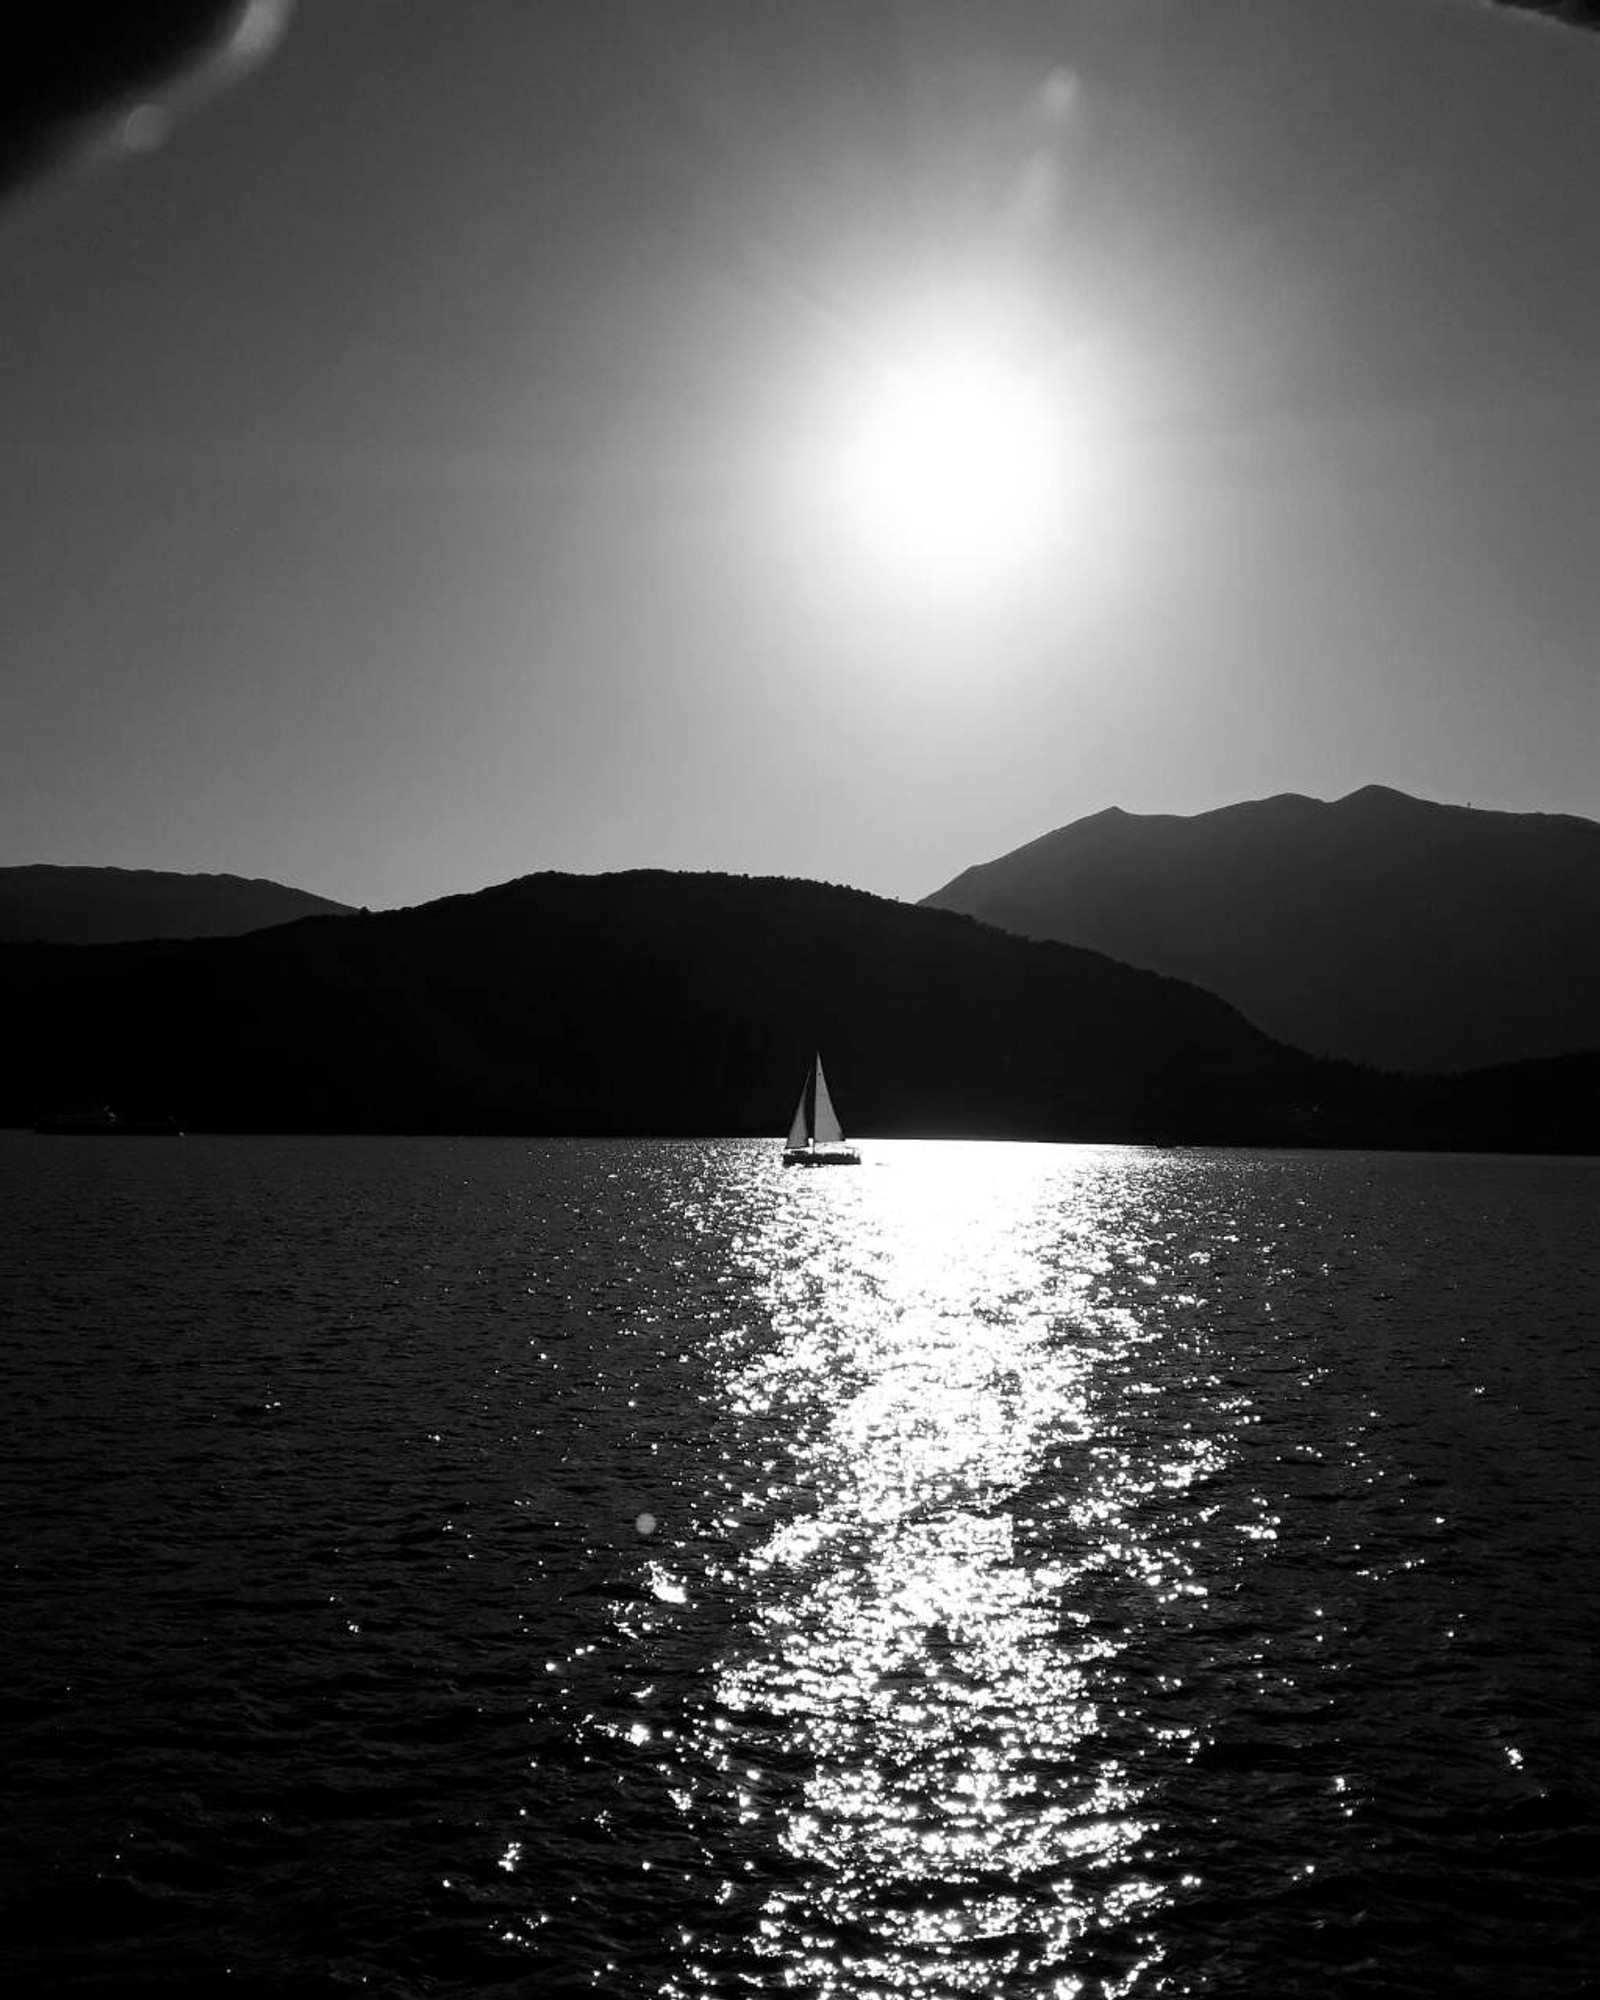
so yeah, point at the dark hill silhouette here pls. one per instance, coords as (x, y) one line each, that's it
(657, 1003)
(1381, 928)
(115, 905)
(644, 1002)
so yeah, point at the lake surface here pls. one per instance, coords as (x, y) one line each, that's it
(544, 1568)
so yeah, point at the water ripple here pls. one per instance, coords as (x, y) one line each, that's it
(450, 1566)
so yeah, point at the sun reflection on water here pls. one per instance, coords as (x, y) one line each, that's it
(949, 1807)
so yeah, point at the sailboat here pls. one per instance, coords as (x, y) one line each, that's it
(816, 1138)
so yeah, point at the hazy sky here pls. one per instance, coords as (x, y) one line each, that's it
(442, 457)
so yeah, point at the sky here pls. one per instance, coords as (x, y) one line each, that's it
(841, 441)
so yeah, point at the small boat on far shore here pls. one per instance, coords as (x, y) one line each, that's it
(102, 1122)
(816, 1138)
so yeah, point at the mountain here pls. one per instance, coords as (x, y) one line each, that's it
(1380, 928)
(636, 1003)
(112, 905)
(690, 1004)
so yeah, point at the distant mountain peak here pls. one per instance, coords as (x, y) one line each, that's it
(57, 903)
(1378, 926)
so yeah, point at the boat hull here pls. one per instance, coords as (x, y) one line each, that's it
(798, 1157)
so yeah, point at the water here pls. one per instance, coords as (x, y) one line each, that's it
(447, 1567)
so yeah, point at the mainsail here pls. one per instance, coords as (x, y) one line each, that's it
(825, 1126)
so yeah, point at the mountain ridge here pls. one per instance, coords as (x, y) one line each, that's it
(647, 1002)
(62, 903)
(641, 1000)
(1377, 927)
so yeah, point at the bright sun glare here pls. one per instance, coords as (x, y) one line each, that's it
(954, 463)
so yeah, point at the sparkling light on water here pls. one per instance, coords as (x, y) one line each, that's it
(956, 1815)
(628, 1568)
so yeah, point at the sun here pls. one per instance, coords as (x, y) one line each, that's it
(952, 464)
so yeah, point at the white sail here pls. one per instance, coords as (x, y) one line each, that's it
(816, 1138)
(828, 1130)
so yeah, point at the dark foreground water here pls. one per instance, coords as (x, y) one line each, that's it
(448, 1567)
